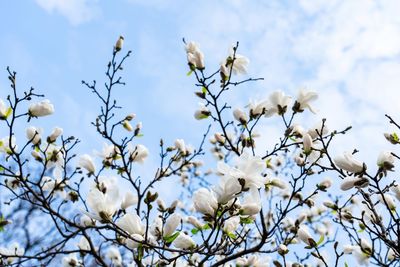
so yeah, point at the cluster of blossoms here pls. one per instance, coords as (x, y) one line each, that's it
(255, 206)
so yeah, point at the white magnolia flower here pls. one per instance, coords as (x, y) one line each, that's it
(12, 252)
(303, 100)
(348, 163)
(6, 143)
(389, 201)
(131, 224)
(103, 205)
(83, 244)
(57, 131)
(71, 261)
(114, 256)
(205, 201)
(249, 169)
(307, 143)
(252, 202)
(4, 110)
(305, 236)
(183, 241)
(34, 134)
(277, 103)
(109, 153)
(180, 145)
(257, 108)
(231, 224)
(227, 189)
(128, 200)
(86, 162)
(240, 116)
(55, 185)
(317, 130)
(385, 160)
(194, 56)
(41, 109)
(54, 155)
(396, 190)
(171, 224)
(350, 182)
(119, 44)
(348, 249)
(253, 261)
(138, 154)
(194, 221)
(86, 221)
(237, 65)
(202, 112)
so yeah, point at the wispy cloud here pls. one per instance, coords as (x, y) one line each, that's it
(76, 11)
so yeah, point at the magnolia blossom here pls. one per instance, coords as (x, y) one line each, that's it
(194, 56)
(387, 199)
(128, 200)
(102, 205)
(34, 134)
(204, 201)
(248, 169)
(86, 221)
(4, 110)
(83, 244)
(307, 143)
(235, 63)
(171, 224)
(240, 116)
(202, 112)
(71, 260)
(55, 134)
(109, 153)
(253, 261)
(350, 182)
(252, 202)
(180, 145)
(41, 109)
(396, 190)
(132, 224)
(54, 155)
(119, 44)
(305, 236)
(115, 256)
(231, 224)
(86, 162)
(319, 128)
(303, 100)
(277, 103)
(385, 160)
(183, 241)
(138, 154)
(194, 221)
(256, 108)
(348, 163)
(8, 144)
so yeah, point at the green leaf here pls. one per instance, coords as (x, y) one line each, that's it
(1, 168)
(321, 239)
(204, 90)
(195, 230)
(189, 73)
(395, 137)
(346, 265)
(171, 238)
(8, 112)
(231, 235)
(247, 220)
(140, 135)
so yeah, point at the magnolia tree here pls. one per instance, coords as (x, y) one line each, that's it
(240, 204)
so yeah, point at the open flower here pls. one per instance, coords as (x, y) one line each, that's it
(171, 224)
(139, 153)
(41, 109)
(277, 103)
(183, 241)
(385, 160)
(86, 162)
(303, 100)
(205, 201)
(115, 256)
(348, 163)
(235, 63)
(252, 203)
(34, 134)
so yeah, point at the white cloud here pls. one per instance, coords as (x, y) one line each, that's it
(76, 11)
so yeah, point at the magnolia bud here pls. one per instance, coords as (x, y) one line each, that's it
(55, 134)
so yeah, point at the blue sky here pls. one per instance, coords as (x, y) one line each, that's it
(347, 51)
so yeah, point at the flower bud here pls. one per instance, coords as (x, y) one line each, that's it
(54, 135)
(41, 109)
